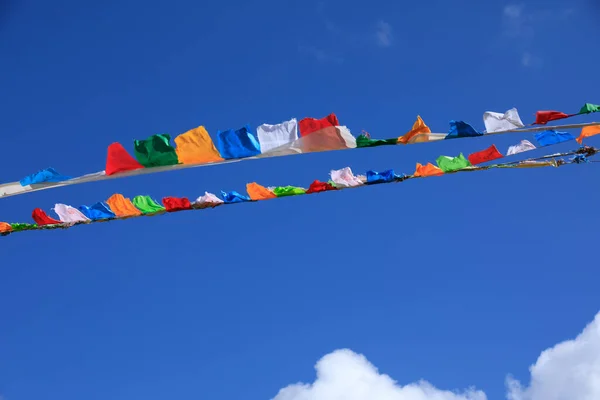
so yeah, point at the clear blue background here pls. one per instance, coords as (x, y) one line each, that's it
(458, 280)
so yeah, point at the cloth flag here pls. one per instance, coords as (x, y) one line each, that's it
(418, 134)
(121, 206)
(147, 205)
(196, 147)
(523, 145)
(451, 164)
(273, 136)
(97, 211)
(42, 219)
(345, 178)
(550, 137)
(239, 143)
(460, 129)
(589, 108)
(156, 151)
(68, 214)
(489, 154)
(234, 197)
(543, 117)
(119, 160)
(45, 175)
(283, 191)
(259, 192)
(497, 122)
(318, 186)
(208, 200)
(427, 170)
(377, 177)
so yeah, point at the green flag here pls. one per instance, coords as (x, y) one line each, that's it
(364, 141)
(449, 164)
(156, 151)
(589, 108)
(146, 205)
(282, 191)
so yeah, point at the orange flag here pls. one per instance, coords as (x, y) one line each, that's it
(4, 227)
(121, 206)
(196, 147)
(427, 170)
(420, 132)
(588, 131)
(258, 192)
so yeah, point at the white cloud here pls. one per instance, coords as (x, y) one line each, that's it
(530, 60)
(384, 34)
(346, 375)
(568, 371)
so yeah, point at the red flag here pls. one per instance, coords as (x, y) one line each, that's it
(489, 154)
(119, 160)
(543, 117)
(176, 203)
(41, 218)
(318, 186)
(310, 125)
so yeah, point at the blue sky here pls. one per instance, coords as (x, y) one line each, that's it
(458, 280)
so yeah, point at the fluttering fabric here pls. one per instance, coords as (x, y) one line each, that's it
(380, 177)
(208, 200)
(156, 151)
(522, 146)
(344, 178)
(550, 137)
(119, 160)
(97, 211)
(196, 147)
(19, 226)
(41, 218)
(259, 192)
(310, 125)
(234, 197)
(418, 134)
(589, 108)
(326, 139)
(283, 191)
(4, 227)
(237, 143)
(365, 141)
(68, 214)
(318, 186)
(588, 131)
(460, 129)
(273, 136)
(497, 122)
(176, 203)
(427, 170)
(543, 117)
(121, 206)
(489, 154)
(45, 175)
(147, 205)
(451, 164)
